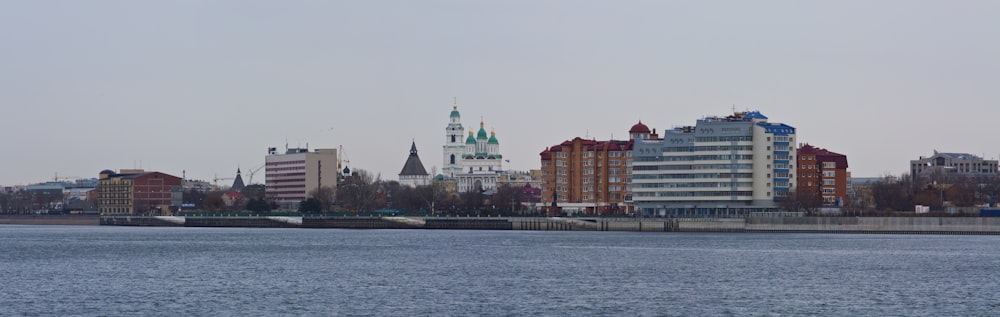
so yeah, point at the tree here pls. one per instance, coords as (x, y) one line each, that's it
(258, 205)
(508, 198)
(194, 197)
(808, 201)
(893, 194)
(472, 201)
(255, 191)
(324, 195)
(311, 205)
(214, 202)
(359, 191)
(431, 194)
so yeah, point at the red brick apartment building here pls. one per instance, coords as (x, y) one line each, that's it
(821, 174)
(588, 176)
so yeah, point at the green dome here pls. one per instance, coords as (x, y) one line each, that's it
(454, 114)
(470, 140)
(481, 134)
(493, 140)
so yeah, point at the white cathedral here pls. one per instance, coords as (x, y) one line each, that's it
(475, 162)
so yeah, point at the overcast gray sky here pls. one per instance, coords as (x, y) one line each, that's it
(207, 86)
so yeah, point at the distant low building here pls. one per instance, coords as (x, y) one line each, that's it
(132, 192)
(197, 185)
(952, 164)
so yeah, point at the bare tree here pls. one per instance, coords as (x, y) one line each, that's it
(893, 194)
(360, 191)
(324, 195)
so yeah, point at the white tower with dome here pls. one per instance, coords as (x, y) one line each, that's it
(454, 145)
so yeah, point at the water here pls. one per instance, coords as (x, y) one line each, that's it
(133, 271)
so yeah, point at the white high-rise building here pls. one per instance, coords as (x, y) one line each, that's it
(722, 166)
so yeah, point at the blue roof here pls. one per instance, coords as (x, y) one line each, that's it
(780, 129)
(754, 115)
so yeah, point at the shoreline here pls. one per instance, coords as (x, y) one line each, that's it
(765, 224)
(51, 220)
(873, 225)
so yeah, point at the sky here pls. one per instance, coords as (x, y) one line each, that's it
(201, 88)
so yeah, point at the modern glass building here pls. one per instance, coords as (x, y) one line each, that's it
(720, 167)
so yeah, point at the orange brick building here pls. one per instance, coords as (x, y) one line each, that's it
(821, 174)
(589, 176)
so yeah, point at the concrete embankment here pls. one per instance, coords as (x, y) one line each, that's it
(925, 225)
(74, 220)
(911, 225)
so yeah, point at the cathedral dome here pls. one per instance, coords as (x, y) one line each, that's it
(454, 110)
(493, 138)
(471, 139)
(639, 128)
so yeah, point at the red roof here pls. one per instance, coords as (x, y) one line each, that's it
(639, 128)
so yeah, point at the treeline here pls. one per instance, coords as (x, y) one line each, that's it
(365, 193)
(892, 194)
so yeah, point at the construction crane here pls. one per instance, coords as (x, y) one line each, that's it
(342, 161)
(250, 173)
(217, 179)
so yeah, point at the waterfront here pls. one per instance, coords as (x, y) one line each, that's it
(101, 270)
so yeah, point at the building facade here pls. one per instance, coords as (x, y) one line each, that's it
(821, 174)
(289, 177)
(475, 162)
(952, 164)
(413, 173)
(589, 177)
(135, 192)
(720, 167)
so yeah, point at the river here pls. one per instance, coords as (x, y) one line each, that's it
(165, 271)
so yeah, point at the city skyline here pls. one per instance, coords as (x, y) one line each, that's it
(205, 88)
